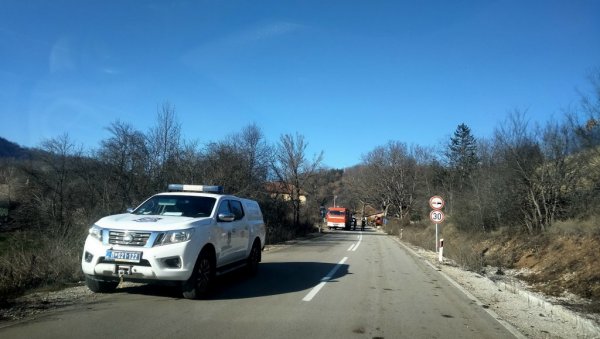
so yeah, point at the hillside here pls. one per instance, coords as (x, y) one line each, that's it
(555, 264)
(10, 149)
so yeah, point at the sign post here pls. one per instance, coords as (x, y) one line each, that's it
(441, 256)
(437, 216)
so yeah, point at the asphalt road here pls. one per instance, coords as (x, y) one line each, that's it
(344, 284)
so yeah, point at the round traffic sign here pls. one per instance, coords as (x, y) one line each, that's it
(436, 216)
(436, 202)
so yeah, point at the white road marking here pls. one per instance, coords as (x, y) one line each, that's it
(324, 281)
(350, 249)
(357, 244)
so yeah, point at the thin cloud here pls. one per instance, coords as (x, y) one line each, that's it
(267, 32)
(61, 58)
(231, 44)
(110, 71)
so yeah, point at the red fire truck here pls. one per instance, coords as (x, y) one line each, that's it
(338, 217)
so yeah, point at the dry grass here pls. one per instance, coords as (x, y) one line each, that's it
(28, 261)
(463, 249)
(563, 260)
(587, 227)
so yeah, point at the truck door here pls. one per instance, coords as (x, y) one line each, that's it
(233, 231)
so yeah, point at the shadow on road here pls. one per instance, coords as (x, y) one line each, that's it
(278, 278)
(273, 278)
(367, 231)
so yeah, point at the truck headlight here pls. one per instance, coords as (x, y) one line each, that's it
(173, 237)
(96, 232)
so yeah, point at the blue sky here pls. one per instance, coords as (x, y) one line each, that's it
(348, 75)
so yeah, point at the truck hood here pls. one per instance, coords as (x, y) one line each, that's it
(136, 222)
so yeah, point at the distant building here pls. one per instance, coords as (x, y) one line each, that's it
(283, 191)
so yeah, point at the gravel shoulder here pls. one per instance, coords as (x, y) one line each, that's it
(35, 304)
(534, 315)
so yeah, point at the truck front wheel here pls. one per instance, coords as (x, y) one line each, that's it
(254, 258)
(202, 280)
(100, 286)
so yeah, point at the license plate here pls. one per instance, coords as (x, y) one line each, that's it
(123, 256)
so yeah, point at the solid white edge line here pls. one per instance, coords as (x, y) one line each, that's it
(512, 329)
(350, 248)
(324, 281)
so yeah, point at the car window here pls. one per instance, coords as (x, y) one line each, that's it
(236, 208)
(224, 207)
(232, 206)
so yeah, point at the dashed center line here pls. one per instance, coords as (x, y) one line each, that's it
(355, 246)
(324, 281)
(329, 275)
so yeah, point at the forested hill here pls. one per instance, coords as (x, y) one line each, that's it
(10, 149)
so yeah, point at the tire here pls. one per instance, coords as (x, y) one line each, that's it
(200, 284)
(253, 259)
(100, 286)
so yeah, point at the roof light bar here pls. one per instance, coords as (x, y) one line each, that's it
(195, 188)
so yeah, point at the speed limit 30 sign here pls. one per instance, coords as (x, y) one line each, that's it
(436, 216)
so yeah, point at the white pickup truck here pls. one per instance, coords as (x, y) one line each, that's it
(185, 236)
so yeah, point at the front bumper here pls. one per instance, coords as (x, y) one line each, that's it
(168, 262)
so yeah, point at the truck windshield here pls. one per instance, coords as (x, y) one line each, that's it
(173, 205)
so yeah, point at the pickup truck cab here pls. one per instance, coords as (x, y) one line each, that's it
(185, 236)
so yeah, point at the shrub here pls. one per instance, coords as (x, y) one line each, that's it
(30, 261)
(586, 227)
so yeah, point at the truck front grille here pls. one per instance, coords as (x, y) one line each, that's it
(128, 238)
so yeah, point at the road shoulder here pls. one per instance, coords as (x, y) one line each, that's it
(507, 299)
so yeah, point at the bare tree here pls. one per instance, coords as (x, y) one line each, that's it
(584, 120)
(223, 165)
(240, 162)
(323, 186)
(539, 160)
(8, 177)
(52, 185)
(164, 145)
(190, 167)
(292, 168)
(256, 155)
(389, 178)
(128, 161)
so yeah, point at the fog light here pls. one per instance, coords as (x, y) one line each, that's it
(173, 262)
(88, 256)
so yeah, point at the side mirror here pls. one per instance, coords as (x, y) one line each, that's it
(228, 217)
(129, 210)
